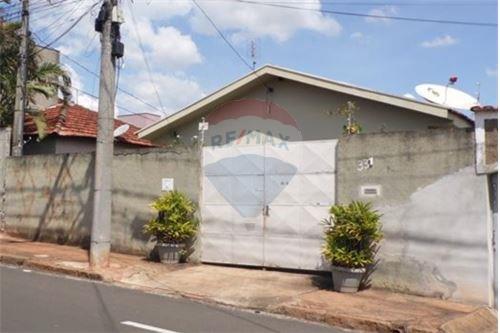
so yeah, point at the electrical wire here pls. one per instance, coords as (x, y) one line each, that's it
(97, 76)
(144, 56)
(388, 17)
(66, 31)
(120, 89)
(36, 9)
(223, 37)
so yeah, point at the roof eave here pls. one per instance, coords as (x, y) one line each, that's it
(257, 76)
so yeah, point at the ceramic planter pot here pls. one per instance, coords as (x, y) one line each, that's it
(169, 253)
(346, 280)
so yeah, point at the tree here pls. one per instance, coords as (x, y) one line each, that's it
(43, 78)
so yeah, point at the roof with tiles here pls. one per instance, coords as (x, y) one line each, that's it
(80, 122)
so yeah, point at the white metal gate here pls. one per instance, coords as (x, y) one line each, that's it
(262, 205)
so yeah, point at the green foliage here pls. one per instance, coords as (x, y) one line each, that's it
(352, 126)
(176, 221)
(352, 234)
(43, 78)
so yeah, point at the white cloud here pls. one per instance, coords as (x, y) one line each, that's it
(157, 10)
(165, 46)
(78, 96)
(441, 41)
(492, 72)
(171, 50)
(356, 35)
(245, 21)
(175, 92)
(381, 13)
(410, 96)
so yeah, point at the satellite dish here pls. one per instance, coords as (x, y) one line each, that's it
(120, 130)
(446, 96)
(408, 95)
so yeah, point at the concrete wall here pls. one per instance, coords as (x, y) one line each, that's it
(55, 144)
(435, 210)
(315, 111)
(4, 153)
(49, 197)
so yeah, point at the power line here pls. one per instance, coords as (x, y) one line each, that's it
(381, 3)
(388, 17)
(96, 75)
(67, 30)
(224, 37)
(53, 26)
(144, 56)
(120, 89)
(97, 97)
(37, 8)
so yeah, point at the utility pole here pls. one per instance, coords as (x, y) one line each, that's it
(21, 93)
(111, 48)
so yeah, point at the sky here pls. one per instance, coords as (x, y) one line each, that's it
(188, 59)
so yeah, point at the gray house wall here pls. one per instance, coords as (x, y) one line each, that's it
(316, 113)
(49, 197)
(434, 206)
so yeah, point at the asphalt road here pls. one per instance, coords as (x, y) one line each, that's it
(39, 302)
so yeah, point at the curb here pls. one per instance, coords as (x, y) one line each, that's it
(349, 322)
(287, 309)
(483, 320)
(47, 267)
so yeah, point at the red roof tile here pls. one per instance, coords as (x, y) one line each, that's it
(80, 122)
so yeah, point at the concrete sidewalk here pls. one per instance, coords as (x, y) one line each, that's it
(298, 295)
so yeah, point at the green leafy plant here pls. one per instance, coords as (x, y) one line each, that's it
(176, 221)
(352, 234)
(43, 78)
(352, 126)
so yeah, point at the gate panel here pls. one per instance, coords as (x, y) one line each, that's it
(293, 185)
(232, 201)
(305, 185)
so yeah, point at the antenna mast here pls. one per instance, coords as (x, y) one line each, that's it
(253, 53)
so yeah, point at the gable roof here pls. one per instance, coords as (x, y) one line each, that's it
(140, 120)
(79, 122)
(263, 74)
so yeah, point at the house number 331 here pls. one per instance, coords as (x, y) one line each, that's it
(364, 164)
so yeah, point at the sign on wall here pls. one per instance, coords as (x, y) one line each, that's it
(167, 184)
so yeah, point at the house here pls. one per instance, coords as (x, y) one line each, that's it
(74, 132)
(294, 106)
(270, 159)
(140, 120)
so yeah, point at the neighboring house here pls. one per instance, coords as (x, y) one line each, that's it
(74, 132)
(140, 120)
(486, 136)
(294, 106)
(486, 132)
(46, 55)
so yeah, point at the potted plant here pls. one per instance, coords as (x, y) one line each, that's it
(352, 234)
(174, 225)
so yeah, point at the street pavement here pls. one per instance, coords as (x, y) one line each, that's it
(37, 302)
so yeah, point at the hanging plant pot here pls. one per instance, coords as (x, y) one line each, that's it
(347, 280)
(169, 253)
